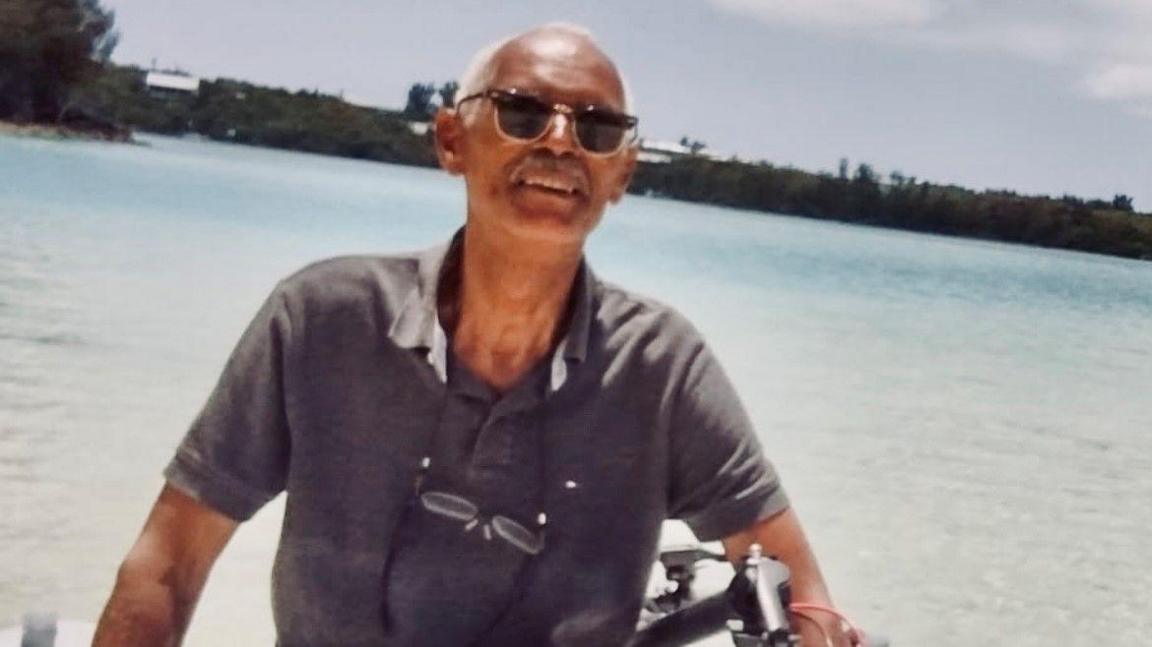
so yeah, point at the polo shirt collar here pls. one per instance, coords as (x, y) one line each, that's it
(417, 324)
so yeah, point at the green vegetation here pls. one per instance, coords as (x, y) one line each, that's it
(47, 48)
(54, 70)
(420, 106)
(904, 203)
(240, 112)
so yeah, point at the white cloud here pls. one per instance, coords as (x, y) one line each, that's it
(836, 13)
(1039, 42)
(1045, 43)
(1105, 46)
(1121, 82)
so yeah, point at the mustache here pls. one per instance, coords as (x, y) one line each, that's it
(544, 161)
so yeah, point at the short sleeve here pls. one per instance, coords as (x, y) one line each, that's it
(721, 481)
(234, 458)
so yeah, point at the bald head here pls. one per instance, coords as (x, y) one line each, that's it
(559, 45)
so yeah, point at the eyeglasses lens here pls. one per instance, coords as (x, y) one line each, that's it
(449, 505)
(517, 535)
(599, 133)
(523, 117)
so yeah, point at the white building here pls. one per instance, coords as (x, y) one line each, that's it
(168, 84)
(661, 152)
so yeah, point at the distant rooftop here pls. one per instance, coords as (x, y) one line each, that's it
(671, 148)
(174, 82)
(658, 152)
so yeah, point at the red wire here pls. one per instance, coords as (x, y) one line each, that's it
(855, 635)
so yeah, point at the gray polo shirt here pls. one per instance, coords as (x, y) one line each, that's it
(344, 383)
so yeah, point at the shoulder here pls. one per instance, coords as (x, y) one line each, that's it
(641, 324)
(333, 277)
(369, 285)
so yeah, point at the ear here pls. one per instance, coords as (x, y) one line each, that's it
(624, 174)
(449, 140)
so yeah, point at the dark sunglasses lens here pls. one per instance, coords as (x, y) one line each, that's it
(522, 117)
(599, 132)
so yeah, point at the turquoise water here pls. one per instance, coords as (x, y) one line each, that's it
(963, 425)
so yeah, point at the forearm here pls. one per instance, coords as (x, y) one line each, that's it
(160, 580)
(788, 543)
(144, 612)
(816, 627)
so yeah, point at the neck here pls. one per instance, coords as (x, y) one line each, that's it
(512, 304)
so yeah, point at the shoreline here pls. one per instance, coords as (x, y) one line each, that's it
(1137, 228)
(62, 133)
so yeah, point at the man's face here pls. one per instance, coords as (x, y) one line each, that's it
(550, 189)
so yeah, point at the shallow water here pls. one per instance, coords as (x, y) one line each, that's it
(963, 425)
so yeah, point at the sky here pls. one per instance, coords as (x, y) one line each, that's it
(1038, 96)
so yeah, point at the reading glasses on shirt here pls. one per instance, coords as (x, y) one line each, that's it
(457, 508)
(523, 117)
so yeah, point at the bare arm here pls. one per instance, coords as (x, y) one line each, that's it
(159, 583)
(782, 537)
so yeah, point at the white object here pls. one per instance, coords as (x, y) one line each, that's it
(68, 633)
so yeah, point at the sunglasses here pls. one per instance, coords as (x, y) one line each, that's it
(523, 117)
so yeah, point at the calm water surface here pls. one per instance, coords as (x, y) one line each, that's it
(963, 425)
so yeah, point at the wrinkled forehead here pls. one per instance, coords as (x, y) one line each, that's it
(558, 67)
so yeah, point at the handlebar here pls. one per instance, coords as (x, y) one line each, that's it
(762, 598)
(756, 600)
(694, 622)
(754, 607)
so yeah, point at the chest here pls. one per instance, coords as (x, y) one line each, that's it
(593, 458)
(362, 423)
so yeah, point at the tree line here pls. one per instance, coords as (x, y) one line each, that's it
(246, 113)
(1068, 222)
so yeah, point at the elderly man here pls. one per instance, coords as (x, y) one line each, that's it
(479, 442)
